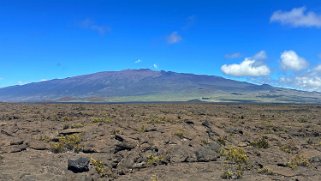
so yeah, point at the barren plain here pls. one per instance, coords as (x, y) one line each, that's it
(156, 142)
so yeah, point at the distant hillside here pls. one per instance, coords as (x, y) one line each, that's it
(148, 85)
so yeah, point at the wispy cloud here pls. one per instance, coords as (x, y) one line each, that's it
(190, 21)
(290, 60)
(297, 17)
(232, 55)
(138, 61)
(174, 38)
(155, 66)
(91, 25)
(22, 82)
(250, 66)
(260, 56)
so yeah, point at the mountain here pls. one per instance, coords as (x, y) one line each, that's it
(148, 85)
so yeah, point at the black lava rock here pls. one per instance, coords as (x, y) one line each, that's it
(79, 165)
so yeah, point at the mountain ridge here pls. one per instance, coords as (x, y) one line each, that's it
(149, 85)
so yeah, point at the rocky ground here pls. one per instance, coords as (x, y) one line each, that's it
(160, 142)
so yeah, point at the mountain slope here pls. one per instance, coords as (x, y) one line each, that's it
(148, 85)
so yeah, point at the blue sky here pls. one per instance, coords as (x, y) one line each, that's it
(267, 41)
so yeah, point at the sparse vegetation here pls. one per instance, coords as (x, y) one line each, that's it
(77, 125)
(116, 131)
(154, 160)
(205, 141)
(99, 167)
(261, 143)
(234, 154)
(298, 160)
(180, 133)
(44, 138)
(66, 119)
(229, 174)
(289, 148)
(265, 171)
(302, 120)
(154, 178)
(66, 126)
(57, 147)
(238, 157)
(142, 129)
(221, 140)
(104, 119)
(69, 142)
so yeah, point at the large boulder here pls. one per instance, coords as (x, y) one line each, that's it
(79, 165)
(208, 153)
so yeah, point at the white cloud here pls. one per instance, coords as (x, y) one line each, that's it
(297, 17)
(290, 60)
(233, 55)
(155, 66)
(174, 38)
(91, 25)
(138, 61)
(249, 67)
(246, 68)
(309, 83)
